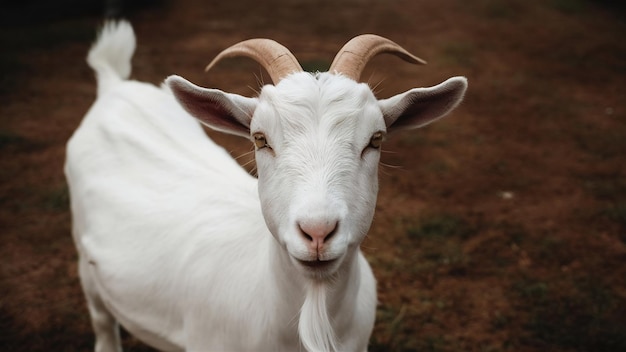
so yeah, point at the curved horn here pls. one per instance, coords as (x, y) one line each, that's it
(277, 60)
(352, 58)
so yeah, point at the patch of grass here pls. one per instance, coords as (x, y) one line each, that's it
(535, 291)
(609, 188)
(389, 263)
(8, 139)
(551, 249)
(413, 327)
(581, 314)
(439, 226)
(432, 343)
(498, 248)
(438, 239)
(601, 143)
(617, 213)
(57, 199)
(13, 142)
(515, 232)
(390, 338)
(446, 253)
(500, 321)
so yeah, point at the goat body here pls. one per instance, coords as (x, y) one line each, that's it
(186, 250)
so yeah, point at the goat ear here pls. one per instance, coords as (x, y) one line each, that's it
(224, 112)
(421, 106)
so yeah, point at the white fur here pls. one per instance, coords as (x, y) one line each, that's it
(110, 56)
(189, 252)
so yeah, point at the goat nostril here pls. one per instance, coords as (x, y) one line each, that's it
(332, 232)
(318, 231)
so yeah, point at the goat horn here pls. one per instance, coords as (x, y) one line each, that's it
(277, 60)
(352, 58)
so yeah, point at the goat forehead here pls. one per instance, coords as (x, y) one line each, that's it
(325, 104)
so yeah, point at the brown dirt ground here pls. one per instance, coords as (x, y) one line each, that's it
(500, 228)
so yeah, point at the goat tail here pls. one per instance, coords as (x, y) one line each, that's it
(110, 56)
(315, 328)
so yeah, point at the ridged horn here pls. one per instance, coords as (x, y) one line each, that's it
(352, 58)
(277, 60)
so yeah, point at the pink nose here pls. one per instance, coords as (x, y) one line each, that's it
(316, 232)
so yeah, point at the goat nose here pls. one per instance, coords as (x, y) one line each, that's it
(317, 232)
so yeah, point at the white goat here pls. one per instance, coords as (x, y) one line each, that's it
(187, 250)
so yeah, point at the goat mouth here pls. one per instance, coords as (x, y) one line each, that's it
(317, 264)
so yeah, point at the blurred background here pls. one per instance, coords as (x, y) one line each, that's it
(499, 228)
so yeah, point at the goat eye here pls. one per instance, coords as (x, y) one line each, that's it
(376, 141)
(259, 141)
